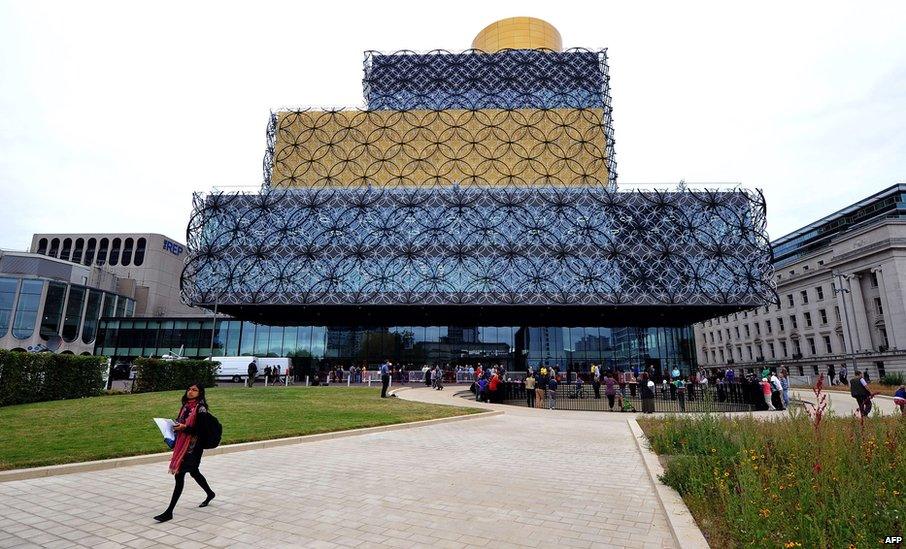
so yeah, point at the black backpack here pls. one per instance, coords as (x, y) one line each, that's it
(211, 432)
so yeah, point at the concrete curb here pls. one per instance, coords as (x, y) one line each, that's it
(116, 463)
(685, 532)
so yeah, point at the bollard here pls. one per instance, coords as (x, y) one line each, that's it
(306, 381)
(347, 380)
(265, 380)
(369, 381)
(286, 380)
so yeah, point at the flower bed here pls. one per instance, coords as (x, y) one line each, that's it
(795, 481)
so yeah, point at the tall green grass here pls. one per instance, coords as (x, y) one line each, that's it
(784, 483)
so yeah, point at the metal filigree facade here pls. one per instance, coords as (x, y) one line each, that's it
(479, 246)
(441, 117)
(473, 181)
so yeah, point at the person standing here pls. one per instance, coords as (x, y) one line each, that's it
(252, 373)
(785, 386)
(267, 374)
(190, 423)
(385, 377)
(830, 374)
(610, 390)
(530, 390)
(776, 392)
(680, 393)
(859, 390)
(843, 374)
(766, 392)
(646, 389)
(552, 393)
(596, 380)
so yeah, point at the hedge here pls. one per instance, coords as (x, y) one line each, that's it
(36, 377)
(153, 374)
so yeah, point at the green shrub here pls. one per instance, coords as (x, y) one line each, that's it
(895, 379)
(169, 375)
(36, 377)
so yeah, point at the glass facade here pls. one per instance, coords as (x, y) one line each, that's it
(72, 321)
(7, 299)
(27, 308)
(53, 309)
(316, 348)
(69, 310)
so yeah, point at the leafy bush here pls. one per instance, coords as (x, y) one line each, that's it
(36, 377)
(153, 374)
(895, 379)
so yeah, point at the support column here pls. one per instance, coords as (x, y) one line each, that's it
(849, 332)
(892, 338)
(860, 316)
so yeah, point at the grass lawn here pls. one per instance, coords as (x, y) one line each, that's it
(783, 483)
(67, 431)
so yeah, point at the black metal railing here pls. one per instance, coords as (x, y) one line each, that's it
(726, 397)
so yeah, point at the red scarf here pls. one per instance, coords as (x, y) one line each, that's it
(184, 441)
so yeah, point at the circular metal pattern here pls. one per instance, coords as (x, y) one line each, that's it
(479, 245)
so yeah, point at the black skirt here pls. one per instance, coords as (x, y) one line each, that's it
(192, 459)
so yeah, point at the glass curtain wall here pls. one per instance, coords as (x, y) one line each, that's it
(27, 308)
(320, 347)
(53, 309)
(73, 319)
(8, 287)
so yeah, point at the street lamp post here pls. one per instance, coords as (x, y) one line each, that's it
(839, 289)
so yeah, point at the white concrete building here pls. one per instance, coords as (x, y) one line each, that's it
(55, 303)
(148, 266)
(841, 283)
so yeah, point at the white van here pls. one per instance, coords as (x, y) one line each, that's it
(236, 368)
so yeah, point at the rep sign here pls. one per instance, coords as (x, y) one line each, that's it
(172, 247)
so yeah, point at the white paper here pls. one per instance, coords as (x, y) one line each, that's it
(166, 428)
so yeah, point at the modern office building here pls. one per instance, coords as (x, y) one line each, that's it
(470, 213)
(148, 266)
(56, 304)
(842, 287)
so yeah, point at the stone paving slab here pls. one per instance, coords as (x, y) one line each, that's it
(531, 478)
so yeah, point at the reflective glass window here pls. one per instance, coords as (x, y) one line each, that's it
(247, 342)
(77, 250)
(130, 307)
(7, 299)
(27, 308)
(109, 304)
(114, 252)
(140, 252)
(42, 246)
(102, 251)
(127, 252)
(53, 309)
(121, 306)
(90, 251)
(92, 313)
(67, 248)
(73, 319)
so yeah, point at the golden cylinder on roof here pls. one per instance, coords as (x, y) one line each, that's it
(518, 33)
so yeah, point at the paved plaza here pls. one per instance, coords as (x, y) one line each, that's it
(574, 479)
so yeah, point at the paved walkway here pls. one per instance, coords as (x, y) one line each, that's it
(501, 481)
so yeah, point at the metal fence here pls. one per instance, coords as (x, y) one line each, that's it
(729, 397)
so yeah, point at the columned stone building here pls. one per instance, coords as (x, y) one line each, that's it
(842, 287)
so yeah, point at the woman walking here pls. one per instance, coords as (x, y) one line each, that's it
(187, 450)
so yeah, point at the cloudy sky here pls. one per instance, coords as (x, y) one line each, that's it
(113, 114)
